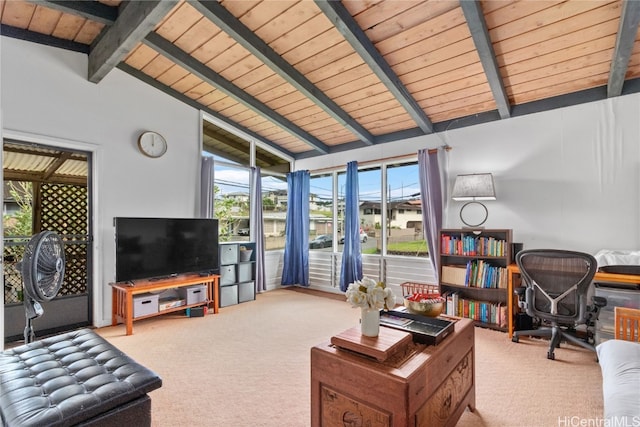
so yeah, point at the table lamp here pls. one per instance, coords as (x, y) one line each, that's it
(471, 188)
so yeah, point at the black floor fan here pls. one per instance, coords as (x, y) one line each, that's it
(42, 269)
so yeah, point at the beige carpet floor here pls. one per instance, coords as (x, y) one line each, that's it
(249, 365)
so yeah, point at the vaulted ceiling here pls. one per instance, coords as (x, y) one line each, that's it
(316, 77)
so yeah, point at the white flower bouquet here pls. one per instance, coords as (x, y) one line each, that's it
(367, 293)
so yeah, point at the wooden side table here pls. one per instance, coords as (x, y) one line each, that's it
(417, 387)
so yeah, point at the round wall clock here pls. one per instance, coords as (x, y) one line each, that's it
(152, 144)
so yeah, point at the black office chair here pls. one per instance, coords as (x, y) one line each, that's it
(555, 289)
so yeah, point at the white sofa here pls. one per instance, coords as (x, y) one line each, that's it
(620, 364)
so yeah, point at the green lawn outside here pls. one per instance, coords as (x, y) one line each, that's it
(413, 248)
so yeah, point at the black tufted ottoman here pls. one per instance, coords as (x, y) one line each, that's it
(76, 378)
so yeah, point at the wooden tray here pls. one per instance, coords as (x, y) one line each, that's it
(386, 344)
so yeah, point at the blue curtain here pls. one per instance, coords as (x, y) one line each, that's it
(257, 228)
(431, 199)
(351, 253)
(295, 270)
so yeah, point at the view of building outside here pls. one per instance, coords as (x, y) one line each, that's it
(232, 203)
(321, 221)
(369, 190)
(274, 210)
(404, 230)
(401, 226)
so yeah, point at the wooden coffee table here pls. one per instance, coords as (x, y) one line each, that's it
(417, 386)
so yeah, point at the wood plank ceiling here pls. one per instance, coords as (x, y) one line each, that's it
(315, 77)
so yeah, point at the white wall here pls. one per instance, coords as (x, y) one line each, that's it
(46, 98)
(567, 178)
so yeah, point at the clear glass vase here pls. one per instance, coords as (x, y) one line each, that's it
(370, 322)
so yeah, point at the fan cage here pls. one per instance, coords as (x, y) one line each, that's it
(43, 266)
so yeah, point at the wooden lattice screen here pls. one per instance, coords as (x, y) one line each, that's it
(63, 208)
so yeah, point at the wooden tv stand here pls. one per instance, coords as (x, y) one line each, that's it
(122, 296)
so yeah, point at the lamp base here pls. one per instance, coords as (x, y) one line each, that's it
(476, 214)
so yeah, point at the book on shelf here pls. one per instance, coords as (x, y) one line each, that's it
(476, 274)
(481, 311)
(502, 318)
(481, 274)
(472, 245)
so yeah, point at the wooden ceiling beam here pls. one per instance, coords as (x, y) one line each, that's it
(32, 36)
(37, 177)
(19, 150)
(216, 13)
(193, 103)
(53, 167)
(92, 10)
(195, 67)
(49, 174)
(472, 11)
(352, 32)
(627, 31)
(135, 21)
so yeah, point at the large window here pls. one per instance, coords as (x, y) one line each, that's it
(321, 223)
(274, 210)
(395, 218)
(274, 171)
(234, 155)
(232, 200)
(404, 211)
(389, 194)
(370, 198)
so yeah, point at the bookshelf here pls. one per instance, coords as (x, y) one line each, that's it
(474, 276)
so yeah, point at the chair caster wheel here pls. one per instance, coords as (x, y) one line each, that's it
(515, 339)
(550, 355)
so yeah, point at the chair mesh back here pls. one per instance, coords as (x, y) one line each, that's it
(558, 282)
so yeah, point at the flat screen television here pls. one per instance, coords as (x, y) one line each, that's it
(150, 248)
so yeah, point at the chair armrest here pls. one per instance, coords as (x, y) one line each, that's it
(520, 290)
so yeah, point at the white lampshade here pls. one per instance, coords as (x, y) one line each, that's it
(477, 186)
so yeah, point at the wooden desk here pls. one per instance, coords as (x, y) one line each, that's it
(419, 386)
(122, 296)
(514, 270)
